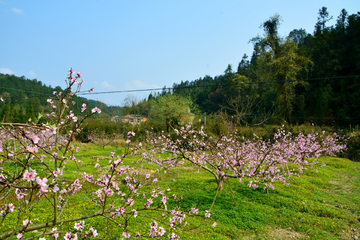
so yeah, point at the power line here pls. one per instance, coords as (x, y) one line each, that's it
(184, 87)
(210, 85)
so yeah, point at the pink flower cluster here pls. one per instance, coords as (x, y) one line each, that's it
(257, 160)
(155, 230)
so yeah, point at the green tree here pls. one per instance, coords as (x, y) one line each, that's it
(279, 61)
(298, 35)
(29, 113)
(170, 110)
(244, 66)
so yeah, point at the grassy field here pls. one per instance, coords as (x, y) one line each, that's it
(323, 205)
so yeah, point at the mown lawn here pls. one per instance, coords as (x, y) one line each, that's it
(323, 205)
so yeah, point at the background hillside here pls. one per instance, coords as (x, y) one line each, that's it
(25, 98)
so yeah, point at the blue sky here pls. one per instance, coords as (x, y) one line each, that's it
(137, 44)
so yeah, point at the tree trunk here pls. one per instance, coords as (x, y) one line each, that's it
(220, 184)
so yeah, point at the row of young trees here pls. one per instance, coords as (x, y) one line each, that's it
(35, 174)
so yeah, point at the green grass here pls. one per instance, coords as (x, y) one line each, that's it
(323, 205)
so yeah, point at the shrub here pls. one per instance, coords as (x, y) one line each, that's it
(353, 147)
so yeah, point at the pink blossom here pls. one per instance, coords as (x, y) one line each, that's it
(29, 176)
(67, 236)
(135, 212)
(126, 235)
(26, 222)
(57, 172)
(207, 214)
(35, 139)
(95, 109)
(161, 231)
(194, 210)
(56, 188)
(53, 231)
(109, 192)
(19, 235)
(130, 202)
(11, 207)
(77, 226)
(31, 149)
(42, 184)
(214, 225)
(19, 194)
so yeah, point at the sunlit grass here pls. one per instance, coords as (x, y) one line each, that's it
(323, 205)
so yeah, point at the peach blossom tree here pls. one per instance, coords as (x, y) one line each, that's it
(34, 163)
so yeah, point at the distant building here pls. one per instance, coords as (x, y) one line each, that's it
(132, 119)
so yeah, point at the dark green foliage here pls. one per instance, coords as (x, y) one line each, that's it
(110, 127)
(101, 126)
(332, 50)
(353, 147)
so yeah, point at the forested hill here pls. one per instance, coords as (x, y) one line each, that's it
(322, 64)
(25, 98)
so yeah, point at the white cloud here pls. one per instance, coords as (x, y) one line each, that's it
(142, 85)
(105, 84)
(54, 83)
(139, 84)
(18, 11)
(6, 71)
(31, 73)
(128, 87)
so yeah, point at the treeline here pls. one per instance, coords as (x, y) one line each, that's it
(25, 98)
(299, 78)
